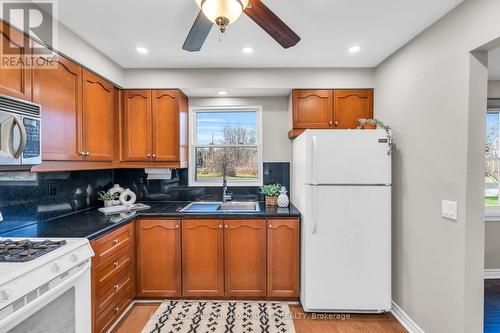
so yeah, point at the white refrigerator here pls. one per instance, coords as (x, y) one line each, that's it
(341, 183)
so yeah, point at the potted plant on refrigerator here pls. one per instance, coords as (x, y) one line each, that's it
(372, 124)
(271, 192)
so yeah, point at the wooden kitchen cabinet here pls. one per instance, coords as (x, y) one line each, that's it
(155, 127)
(283, 258)
(351, 105)
(158, 258)
(202, 258)
(329, 109)
(112, 276)
(15, 81)
(98, 125)
(245, 258)
(312, 108)
(59, 91)
(137, 129)
(166, 112)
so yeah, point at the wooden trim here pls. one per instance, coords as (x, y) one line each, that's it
(293, 133)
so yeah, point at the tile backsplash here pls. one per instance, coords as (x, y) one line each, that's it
(27, 198)
(177, 188)
(42, 196)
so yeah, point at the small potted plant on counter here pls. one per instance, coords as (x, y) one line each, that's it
(108, 197)
(271, 192)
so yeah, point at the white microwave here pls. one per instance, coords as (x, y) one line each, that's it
(20, 132)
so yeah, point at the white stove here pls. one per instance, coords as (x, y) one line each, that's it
(45, 285)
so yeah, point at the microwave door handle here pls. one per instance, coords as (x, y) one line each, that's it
(22, 141)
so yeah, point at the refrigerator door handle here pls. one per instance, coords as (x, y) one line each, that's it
(314, 161)
(313, 213)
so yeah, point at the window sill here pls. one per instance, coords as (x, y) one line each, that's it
(229, 184)
(491, 218)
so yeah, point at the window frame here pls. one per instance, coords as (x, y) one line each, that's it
(492, 213)
(193, 145)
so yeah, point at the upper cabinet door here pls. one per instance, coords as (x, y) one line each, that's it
(59, 91)
(312, 108)
(14, 81)
(245, 258)
(137, 119)
(165, 125)
(97, 118)
(351, 105)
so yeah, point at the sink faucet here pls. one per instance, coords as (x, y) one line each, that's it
(226, 196)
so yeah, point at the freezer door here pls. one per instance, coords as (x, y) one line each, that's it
(348, 157)
(346, 249)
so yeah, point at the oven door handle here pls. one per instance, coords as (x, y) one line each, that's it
(40, 299)
(22, 142)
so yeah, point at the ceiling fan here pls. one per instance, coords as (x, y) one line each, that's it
(224, 12)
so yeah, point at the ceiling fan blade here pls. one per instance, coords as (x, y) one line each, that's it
(198, 33)
(272, 24)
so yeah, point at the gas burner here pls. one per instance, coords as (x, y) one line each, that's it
(26, 250)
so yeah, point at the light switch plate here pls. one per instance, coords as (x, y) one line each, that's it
(449, 210)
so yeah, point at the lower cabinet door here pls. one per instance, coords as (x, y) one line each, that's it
(158, 258)
(283, 251)
(202, 258)
(245, 258)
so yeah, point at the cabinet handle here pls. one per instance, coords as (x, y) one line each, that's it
(116, 309)
(270, 226)
(336, 122)
(148, 155)
(116, 241)
(330, 122)
(115, 264)
(176, 226)
(154, 155)
(116, 286)
(82, 153)
(226, 226)
(220, 226)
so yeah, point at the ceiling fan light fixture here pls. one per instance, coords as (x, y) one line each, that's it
(222, 12)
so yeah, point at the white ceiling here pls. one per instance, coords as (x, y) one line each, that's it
(327, 27)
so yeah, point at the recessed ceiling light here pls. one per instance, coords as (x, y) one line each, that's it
(222, 93)
(141, 50)
(247, 50)
(354, 49)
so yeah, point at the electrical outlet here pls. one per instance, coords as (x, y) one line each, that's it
(449, 210)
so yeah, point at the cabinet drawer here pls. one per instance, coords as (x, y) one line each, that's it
(111, 243)
(108, 294)
(107, 318)
(106, 272)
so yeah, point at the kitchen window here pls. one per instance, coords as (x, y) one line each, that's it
(230, 135)
(492, 160)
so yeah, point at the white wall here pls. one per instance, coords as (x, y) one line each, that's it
(492, 232)
(493, 89)
(433, 93)
(276, 145)
(73, 46)
(257, 78)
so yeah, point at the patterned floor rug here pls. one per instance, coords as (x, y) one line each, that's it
(221, 316)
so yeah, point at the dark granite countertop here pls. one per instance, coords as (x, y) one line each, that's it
(92, 223)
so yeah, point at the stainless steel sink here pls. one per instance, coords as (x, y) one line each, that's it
(222, 207)
(239, 206)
